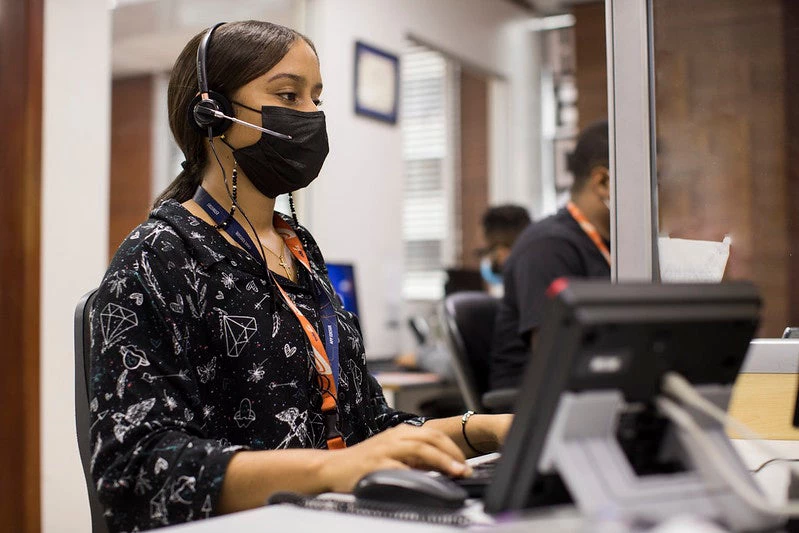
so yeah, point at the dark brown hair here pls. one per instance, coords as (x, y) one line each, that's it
(238, 53)
(504, 223)
(592, 151)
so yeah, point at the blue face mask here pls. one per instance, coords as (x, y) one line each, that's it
(491, 277)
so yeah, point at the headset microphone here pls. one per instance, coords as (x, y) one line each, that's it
(210, 112)
(204, 110)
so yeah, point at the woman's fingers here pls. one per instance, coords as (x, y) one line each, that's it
(419, 454)
(440, 440)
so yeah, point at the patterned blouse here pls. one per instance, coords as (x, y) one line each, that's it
(195, 356)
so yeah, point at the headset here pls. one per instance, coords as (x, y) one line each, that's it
(210, 112)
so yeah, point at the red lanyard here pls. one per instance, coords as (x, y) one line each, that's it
(589, 230)
(323, 369)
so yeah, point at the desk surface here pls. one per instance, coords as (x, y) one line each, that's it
(298, 520)
(397, 380)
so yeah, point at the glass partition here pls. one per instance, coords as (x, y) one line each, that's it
(726, 114)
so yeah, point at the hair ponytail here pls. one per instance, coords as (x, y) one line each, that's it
(183, 186)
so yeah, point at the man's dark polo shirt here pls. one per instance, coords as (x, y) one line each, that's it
(549, 249)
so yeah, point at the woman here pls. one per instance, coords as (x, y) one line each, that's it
(211, 387)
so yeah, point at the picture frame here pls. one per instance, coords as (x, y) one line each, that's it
(376, 84)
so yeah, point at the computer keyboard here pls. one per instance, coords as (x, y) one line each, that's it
(482, 475)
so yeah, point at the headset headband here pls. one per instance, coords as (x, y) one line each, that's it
(202, 54)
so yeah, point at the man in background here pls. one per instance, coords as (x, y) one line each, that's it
(502, 225)
(573, 243)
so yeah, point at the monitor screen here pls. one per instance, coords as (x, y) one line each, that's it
(598, 335)
(463, 279)
(342, 277)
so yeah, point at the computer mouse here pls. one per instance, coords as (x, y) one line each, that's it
(410, 487)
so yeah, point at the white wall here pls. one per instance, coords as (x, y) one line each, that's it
(354, 208)
(74, 236)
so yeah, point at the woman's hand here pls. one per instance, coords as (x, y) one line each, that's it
(403, 446)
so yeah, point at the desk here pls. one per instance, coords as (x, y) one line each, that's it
(298, 520)
(407, 391)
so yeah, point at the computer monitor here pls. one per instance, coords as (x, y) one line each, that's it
(342, 277)
(597, 335)
(463, 279)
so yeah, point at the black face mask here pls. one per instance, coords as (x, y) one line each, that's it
(277, 166)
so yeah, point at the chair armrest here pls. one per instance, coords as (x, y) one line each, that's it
(500, 401)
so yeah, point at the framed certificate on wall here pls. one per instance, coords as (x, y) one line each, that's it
(376, 83)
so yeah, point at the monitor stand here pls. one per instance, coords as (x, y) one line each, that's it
(582, 446)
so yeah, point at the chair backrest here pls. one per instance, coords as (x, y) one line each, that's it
(468, 319)
(82, 418)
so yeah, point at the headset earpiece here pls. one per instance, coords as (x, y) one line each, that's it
(200, 111)
(200, 117)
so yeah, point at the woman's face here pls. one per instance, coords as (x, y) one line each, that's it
(295, 82)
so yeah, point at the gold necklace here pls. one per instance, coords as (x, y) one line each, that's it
(282, 260)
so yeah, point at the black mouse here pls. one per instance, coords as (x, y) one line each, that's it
(410, 487)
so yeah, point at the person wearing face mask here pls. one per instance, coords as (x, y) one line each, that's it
(572, 243)
(223, 368)
(501, 226)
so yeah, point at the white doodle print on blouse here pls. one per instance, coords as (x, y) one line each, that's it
(100, 417)
(358, 377)
(257, 372)
(298, 429)
(149, 378)
(117, 283)
(289, 350)
(133, 357)
(177, 305)
(157, 230)
(131, 418)
(229, 281)
(121, 382)
(236, 330)
(194, 276)
(290, 384)
(97, 445)
(260, 302)
(180, 341)
(244, 415)
(215, 255)
(115, 320)
(169, 402)
(142, 483)
(275, 325)
(252, 287)
(149, 279)
(207, 372)
(180, 492)
(343, 381)
(352, 332)
(161, 465)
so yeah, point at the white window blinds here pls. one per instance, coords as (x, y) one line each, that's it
(427, 126)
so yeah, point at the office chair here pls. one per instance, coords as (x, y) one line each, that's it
(82, 419)
(468, 319)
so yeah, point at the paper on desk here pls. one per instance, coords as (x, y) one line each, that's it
(684, 260)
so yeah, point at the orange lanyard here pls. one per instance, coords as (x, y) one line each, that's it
(324, 371)
(589, 230)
